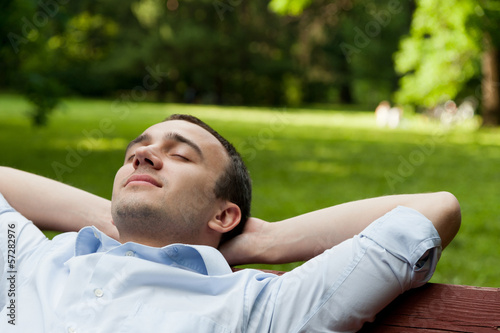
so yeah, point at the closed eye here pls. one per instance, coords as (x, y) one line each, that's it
(130, 158)
(181, 157)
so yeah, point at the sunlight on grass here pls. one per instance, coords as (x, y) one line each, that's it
(322, 167)
(88, 144)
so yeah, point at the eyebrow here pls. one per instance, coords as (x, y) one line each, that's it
(179, 138)
(167, 137)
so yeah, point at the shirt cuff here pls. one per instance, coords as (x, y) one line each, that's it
(411, 237)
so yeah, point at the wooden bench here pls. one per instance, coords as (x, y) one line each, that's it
(441, 308)
(435, 308)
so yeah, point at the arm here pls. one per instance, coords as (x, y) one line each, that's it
(305, 236)
(53, 205)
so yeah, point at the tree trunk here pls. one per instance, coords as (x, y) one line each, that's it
(345, 93)
(490, 85)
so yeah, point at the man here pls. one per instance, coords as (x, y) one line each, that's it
(163, 267)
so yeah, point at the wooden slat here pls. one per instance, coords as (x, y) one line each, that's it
(441, 308)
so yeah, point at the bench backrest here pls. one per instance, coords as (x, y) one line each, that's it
(441, 308)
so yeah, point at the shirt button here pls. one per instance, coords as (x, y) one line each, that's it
(129, 253)
(98, 292)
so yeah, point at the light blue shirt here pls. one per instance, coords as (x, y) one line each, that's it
(88, 282)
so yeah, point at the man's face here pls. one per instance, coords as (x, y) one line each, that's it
(165, 189)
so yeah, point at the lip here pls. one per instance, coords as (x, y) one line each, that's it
(142, 179)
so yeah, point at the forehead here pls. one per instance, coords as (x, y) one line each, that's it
(196, 134)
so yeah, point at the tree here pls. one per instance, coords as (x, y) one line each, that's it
(45, 44)
(206, 51)
(26, 61)
(441, 58)
(344, 47)
(489, 18)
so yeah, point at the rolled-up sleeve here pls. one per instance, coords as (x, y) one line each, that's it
(412, 238)
(349, 284)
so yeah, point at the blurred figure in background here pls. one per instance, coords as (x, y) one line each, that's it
(387, 116)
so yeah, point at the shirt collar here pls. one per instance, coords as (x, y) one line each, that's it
(199, 258)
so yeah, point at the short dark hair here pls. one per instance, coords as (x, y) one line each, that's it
(234, 184)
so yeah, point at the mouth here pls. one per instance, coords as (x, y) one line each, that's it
(142, 180)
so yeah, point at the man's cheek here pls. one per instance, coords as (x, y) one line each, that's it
(119, 180)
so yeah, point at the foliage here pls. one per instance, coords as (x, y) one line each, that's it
(222, 52)
(234, 52)
(344, 47)
(27, 54)
(319, 158)
(43, 94)
(441, 54)
(488, 17)
(289, 7)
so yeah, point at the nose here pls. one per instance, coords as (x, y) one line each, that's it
(146, 157)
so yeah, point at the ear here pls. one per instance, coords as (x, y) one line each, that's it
(227, 219)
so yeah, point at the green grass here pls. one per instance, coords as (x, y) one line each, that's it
(300, 160)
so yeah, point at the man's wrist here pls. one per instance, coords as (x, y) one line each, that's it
(268, 249)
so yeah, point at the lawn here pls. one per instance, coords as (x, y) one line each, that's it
(300, 160)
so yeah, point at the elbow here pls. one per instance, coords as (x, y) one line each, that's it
(452, 209)
(451, 217)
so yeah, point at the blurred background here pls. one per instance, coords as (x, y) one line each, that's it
(327, 101)
(414, 54)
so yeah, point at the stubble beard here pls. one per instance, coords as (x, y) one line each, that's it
(148, 221)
